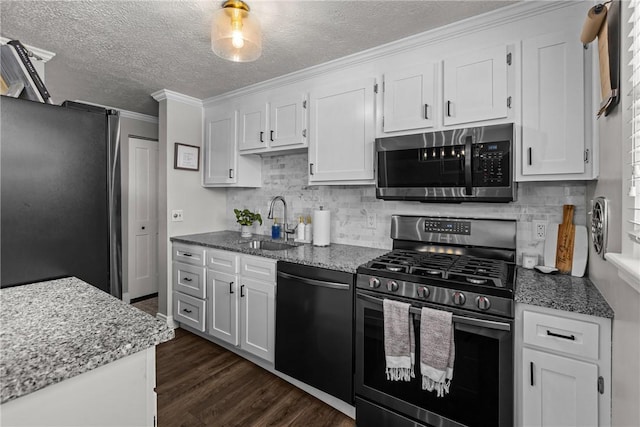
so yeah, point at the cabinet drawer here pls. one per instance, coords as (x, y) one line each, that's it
(258, 268)
(569, 336)
(188, 254)
(188, 310)
(189, 279)
(222, 261)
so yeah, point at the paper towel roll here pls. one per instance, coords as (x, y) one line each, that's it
(321, 227)
(591, 28)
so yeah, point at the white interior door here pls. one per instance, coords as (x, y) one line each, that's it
(143, 217)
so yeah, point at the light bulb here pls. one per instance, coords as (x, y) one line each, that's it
(236, 39)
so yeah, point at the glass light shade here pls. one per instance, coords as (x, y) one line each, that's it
(236, 35)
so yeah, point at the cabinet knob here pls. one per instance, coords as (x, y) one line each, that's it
(374, 282)
(459, 298)
(423, 292)
(483, 303)
(392, 286)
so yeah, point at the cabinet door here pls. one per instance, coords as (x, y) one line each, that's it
(342, 132)
(409, 98)
(553, 135)
(287, 121)
(257, 309)
(222, 316)
(253, 125)
(558, 391)
(475, 86)
(220, 150)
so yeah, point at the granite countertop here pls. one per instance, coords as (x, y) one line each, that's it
(55, 330)
(562, 292)
(335, 256)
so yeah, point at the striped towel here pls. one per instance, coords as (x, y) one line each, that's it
(399, 341)
(437, 350)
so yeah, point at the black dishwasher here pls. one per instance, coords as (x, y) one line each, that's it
(314, 327)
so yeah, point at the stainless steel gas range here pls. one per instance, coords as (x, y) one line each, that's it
(461, 265)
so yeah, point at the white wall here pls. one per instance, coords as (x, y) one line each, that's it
(204, 209)
(624, 300)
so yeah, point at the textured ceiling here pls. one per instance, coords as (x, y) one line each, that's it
(119, 52)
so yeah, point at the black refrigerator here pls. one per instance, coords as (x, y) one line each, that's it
(60, 194)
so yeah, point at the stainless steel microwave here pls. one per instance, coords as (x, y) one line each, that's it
(461, 165)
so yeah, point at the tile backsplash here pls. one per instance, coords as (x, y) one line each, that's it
(286, 175)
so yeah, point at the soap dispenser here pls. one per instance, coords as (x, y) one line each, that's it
(275, 229)
(301, 230)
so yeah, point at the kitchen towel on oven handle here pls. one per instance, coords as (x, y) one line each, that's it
(437, 350)
(399, 341)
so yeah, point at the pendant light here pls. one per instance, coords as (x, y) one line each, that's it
(235, 33)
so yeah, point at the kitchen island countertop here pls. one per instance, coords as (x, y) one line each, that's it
(52, 331)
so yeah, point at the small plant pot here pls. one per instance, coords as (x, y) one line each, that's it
(245, 231)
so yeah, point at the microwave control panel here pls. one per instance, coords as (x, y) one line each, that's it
(491, 165)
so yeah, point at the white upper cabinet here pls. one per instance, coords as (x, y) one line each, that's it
(553, 109)
(287, 121)
(409, 98)
(475, 86)
(342, 129)
(272, 123)
(253, 125)
(222, 167)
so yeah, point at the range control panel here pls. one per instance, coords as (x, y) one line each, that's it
(447, 226)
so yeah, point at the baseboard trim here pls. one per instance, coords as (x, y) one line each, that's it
(142, 298)
(168, 320)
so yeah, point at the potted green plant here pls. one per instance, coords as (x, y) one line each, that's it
(246, 218)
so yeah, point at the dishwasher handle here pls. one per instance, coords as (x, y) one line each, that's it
(314, 282)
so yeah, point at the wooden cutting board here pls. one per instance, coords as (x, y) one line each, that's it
(580, 249)
(566, 236)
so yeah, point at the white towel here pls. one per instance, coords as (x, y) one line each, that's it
(399, 341)
(437, 350)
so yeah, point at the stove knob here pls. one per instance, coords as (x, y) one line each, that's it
(459, 298)
(392, 286)
(374, 282)
(423, 292)
(483, 303)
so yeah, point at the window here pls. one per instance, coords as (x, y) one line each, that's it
(631, 171)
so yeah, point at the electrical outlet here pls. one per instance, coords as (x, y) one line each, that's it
(371, 220)
(176, 216)
(539, 230)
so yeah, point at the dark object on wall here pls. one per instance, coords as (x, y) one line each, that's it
(603, 21)
(186, 157)
(60, 194)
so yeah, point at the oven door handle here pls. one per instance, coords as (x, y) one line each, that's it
(468, 158)
(491, 324)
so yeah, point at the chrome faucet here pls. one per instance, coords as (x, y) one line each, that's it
(285, 229)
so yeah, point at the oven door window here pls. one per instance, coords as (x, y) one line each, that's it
(422, 167)
(480, 387)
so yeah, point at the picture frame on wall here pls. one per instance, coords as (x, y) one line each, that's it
(186, 157)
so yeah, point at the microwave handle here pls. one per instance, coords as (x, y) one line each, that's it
(468, 157)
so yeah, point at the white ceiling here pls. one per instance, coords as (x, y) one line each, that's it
(117, 53)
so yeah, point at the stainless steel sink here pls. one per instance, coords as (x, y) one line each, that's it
(268, 245)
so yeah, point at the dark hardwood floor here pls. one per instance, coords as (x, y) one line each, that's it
(202, 384)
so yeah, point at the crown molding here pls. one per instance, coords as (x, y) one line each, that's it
(508, 14)
(39, 54)
(125, 113)
(166, 94)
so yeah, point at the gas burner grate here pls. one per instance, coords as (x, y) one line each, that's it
(480, 271)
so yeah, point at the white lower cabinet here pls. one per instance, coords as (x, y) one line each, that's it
(558, 391)
(188, 285)
(563, 370)
(241, 306)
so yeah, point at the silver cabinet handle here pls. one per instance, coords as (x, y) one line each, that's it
(315, 282)
(426, 111)
(230, 173)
